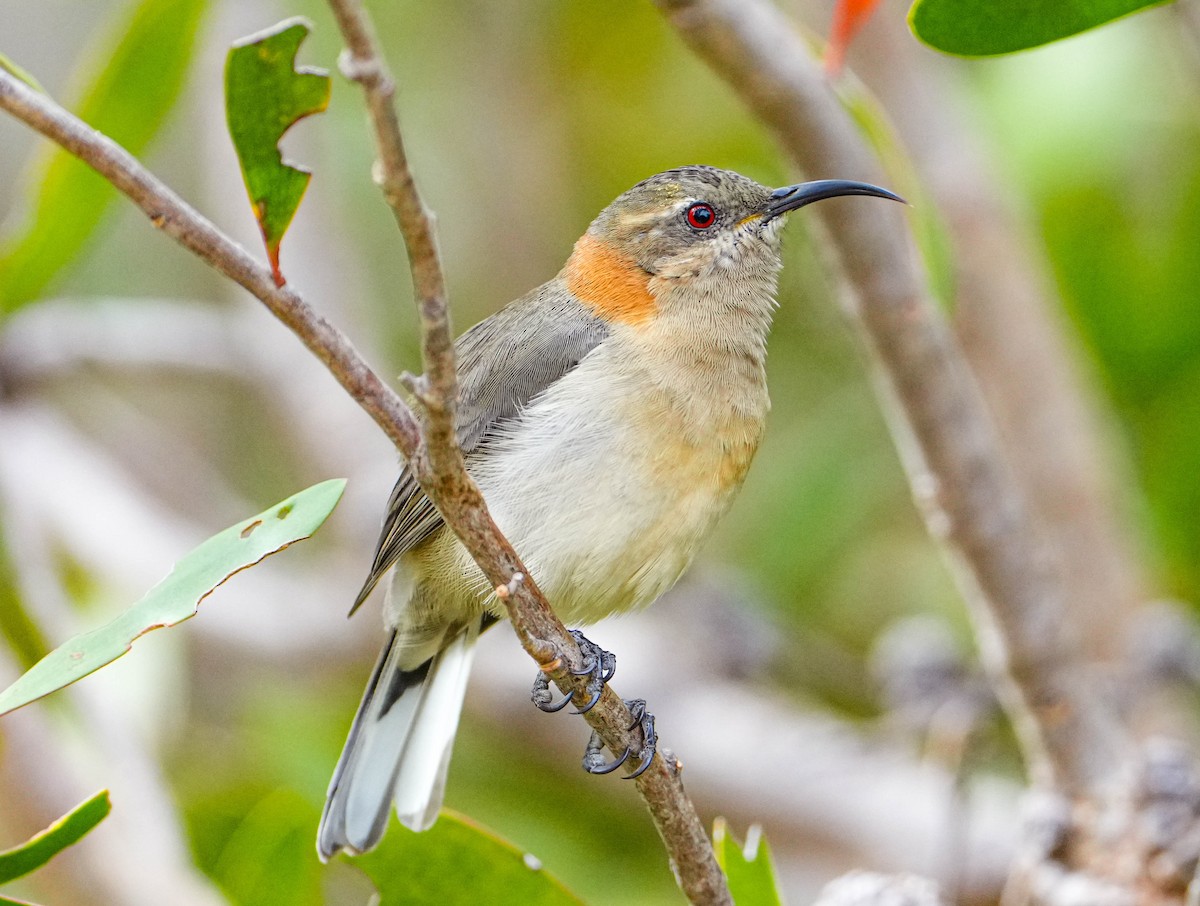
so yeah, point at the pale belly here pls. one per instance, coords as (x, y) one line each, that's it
(606, 499)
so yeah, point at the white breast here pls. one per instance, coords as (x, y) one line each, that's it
(613, 477)
(610, 479)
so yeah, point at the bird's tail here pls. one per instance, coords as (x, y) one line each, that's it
(399, 747)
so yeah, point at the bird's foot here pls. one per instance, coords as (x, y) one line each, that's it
(593, 760)
(598, 666)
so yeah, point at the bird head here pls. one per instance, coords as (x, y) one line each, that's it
(683, 226)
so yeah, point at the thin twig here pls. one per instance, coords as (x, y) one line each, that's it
(955, 466)
(443, 474)
(361, 62)
(183, 223)
(540, 632)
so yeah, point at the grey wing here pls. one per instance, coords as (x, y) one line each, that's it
(503, 362)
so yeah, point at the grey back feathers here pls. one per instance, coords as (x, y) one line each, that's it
(503, 363)
(399, 745)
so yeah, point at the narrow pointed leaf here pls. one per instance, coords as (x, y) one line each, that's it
(264, 97)
(178, 596)
(141, 74)
(69, 829)
(457, 861)
(13, 69)
(748, 869)
(978, 28)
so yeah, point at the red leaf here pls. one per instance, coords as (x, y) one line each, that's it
(849, 16)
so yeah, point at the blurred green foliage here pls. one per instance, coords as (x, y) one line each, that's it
(1132, 288)
(562, 106)
(1107, 149)
(139, 79)
(24, 637)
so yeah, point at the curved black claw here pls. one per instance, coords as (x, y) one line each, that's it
(598, 665)
(543, 698)
(593, 761)
(601, 665)
(644, 719)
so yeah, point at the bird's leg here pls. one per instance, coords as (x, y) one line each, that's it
(598, 665)
(593, 761)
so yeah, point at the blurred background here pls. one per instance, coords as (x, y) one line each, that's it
(814, 671)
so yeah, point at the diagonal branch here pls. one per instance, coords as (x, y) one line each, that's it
(183, 223)
(361, 62)
(956, 470)
(440, 471)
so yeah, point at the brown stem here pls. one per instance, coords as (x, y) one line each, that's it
(179, 220)
(443, 475)
(957, 472)
(430, 447)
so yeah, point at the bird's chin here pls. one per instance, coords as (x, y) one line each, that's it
(768, 233)
(770, 229)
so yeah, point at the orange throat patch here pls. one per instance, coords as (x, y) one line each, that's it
(609, 283)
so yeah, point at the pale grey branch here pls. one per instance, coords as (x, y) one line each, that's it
(957, 471)
(430, 447)
(440, 469)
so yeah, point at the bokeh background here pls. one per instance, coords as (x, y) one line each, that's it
(146, 404)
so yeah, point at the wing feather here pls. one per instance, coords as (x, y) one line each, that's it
(503, 362)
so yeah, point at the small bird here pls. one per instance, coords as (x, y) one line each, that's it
(609, 417)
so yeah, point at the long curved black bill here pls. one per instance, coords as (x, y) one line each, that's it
(791, 197)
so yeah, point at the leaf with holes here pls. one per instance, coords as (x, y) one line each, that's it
(979, 28)
(748, 869)
(42, 847)
(178, 596)
(265, 95)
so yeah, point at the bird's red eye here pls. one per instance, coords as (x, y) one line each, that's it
(701, 216)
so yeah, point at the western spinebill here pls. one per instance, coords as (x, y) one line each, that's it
(609, 417)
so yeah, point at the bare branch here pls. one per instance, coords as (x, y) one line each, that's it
(431, 449)
(183, 223)
(443, 475)
(957, 472)
(361, 62)
(1012, 333)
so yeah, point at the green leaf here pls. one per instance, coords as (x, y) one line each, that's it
(13, 69)
(178, 596)
(980, 28)
(264, 97)
(457, 862)
(128, 100)
(266, 854)
(69, 829)
(749, 871)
